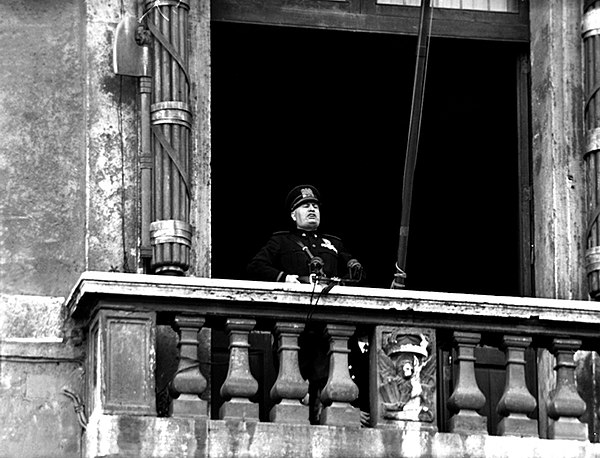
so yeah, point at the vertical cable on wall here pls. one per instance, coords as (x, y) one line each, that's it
(591, 48)
(171, 120)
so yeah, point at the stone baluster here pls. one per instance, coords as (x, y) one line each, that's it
(565, 405)
(467, 398)
(340, 389)
(516, 402)
(189, 383)
(239, 385)
(290, 387)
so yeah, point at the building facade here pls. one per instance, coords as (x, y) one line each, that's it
(147, 149)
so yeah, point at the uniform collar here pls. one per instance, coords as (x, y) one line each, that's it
(303, 233)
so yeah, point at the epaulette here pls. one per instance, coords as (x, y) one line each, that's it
(281, 232)
(335, 237)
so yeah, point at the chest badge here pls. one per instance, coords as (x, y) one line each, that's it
(327, 244)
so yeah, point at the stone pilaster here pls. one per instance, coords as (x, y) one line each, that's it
(556, 145)
(121, 362)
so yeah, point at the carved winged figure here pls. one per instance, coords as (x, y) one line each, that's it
(405, 376)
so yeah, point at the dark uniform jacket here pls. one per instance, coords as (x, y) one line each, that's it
(284, 255)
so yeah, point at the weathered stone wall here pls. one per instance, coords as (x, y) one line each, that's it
(111, 145)
(185, 437)
(42, 152)
(557, 160)
(559, 177)
(68, 203)
(42, 231)
(68, 149)
(68, 200)
(200, 70)
(38, 418)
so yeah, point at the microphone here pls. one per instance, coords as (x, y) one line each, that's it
(316, 265)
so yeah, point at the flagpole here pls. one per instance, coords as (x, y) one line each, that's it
(414, 131)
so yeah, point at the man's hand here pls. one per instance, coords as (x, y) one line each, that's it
(291, 279)
(355, 269)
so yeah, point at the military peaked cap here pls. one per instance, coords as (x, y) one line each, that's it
(300, 195)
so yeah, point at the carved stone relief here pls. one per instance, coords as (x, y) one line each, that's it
(405, 362)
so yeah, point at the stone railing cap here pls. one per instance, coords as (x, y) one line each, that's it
(94, 284)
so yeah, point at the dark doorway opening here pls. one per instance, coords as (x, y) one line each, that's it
(331, 108)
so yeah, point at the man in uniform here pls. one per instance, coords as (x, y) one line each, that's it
(292, 256)
(303, 255)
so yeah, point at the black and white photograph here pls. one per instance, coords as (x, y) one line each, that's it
(300, 228)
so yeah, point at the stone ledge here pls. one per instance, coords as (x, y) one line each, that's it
(162, 437)
(253, 294)
(141, 437)
(33, 351)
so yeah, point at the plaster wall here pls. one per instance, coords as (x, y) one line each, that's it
(68, 203)
(111, 131)
(36, 365)
(69, 146)
(68, 198)
(42, 155)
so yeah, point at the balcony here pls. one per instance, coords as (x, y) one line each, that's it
(418, 381)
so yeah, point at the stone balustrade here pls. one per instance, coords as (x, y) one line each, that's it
(403, 331)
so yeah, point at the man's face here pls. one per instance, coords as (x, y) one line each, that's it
(307, 216)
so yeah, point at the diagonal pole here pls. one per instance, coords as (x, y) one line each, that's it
(414, 131)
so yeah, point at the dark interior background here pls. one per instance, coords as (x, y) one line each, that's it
(332, 108)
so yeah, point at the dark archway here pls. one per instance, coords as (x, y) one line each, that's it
(332, 108)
